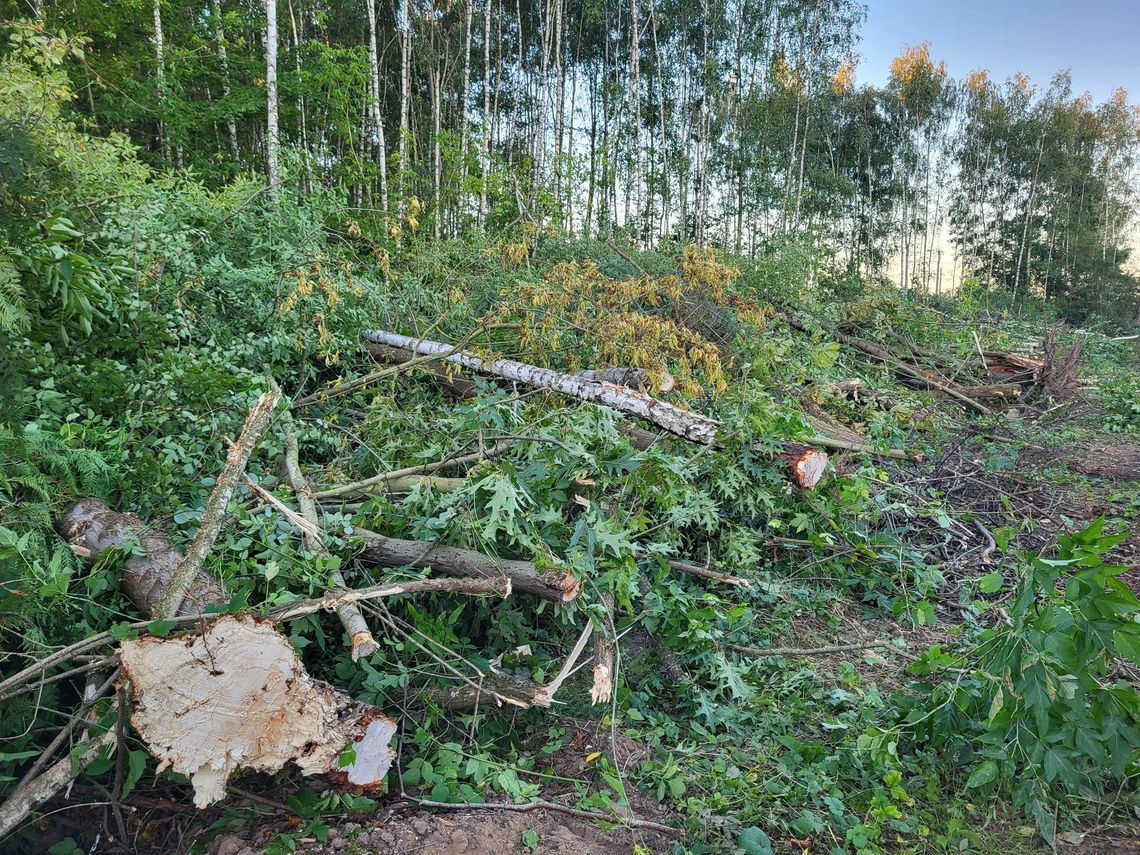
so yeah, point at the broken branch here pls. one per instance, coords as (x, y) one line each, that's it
(183, 578)
(549, 583)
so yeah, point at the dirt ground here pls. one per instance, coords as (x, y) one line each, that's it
(464, 832)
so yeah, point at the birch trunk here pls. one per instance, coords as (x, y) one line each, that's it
(224, 60)
(405, 83)
(807, 464)
(466, 106)
(160, 72)
(689, 425)
(272, 141)
(374, 103)
(485, 152)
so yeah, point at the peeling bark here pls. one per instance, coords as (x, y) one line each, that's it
(692, 426)
(806, 465)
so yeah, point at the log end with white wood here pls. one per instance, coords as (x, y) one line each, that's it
(805, 463)
(236, 696)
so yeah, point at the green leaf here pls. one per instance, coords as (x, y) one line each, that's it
(755, 842)
(984, 773)
(123, 631)
(161, 628)
(136, 765)
(530, 839)
(991, 582)
(1126, 640)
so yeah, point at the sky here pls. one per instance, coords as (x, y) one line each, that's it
(1097, 40)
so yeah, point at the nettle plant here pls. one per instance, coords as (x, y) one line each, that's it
(1048, 707)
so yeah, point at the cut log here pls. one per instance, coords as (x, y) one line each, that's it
(692, 426)
(91, 527)
(806, 466)
(236, 696)
(459, 387)
(549, 583)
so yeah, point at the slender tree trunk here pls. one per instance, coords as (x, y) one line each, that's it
(160, 72)
(272, 142)
(224, 61)
(307, 182)
(464, 110)
(437, 156)
(405, 25)
(635, 109)
(485, 153)
(374, 103)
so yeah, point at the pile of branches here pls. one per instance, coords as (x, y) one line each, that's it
(240, 668)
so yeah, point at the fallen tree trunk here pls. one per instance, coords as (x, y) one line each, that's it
(632, 378)
(450, 380)
(91, 528)
(459, 388)
(806, 464)
(550, 584)
(692, 426)
(234, 694)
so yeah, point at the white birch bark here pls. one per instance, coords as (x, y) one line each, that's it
(160, 71)
(224, 60)
(689, 425)
(485, 153)
(807, 464)
(374, 103)
(272, 139)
